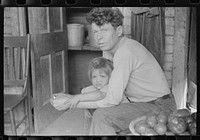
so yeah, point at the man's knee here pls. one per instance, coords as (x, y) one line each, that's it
(99, 114)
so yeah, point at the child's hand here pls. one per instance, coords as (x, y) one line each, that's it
(72, 102)
(61, 107)
(58, 100)
(61, 95)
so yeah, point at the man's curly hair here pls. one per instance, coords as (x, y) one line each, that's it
(102, 15)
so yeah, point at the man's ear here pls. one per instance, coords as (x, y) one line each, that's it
(119, 30)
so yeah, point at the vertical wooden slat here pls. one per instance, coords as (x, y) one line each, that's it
(143, 29)
(5, 64)
(134, 27)
(14, 62)
(27, 55)
(12, 118)
(18, 63)
(27, 128)
(11, 72)
(23, 57)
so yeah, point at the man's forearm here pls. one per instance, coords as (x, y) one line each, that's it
(88, 105)
(94, 104)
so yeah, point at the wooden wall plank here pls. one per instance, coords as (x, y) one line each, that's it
(14, 21)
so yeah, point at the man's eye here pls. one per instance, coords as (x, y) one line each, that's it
(94, 32)
(104, 30)
(93, 77)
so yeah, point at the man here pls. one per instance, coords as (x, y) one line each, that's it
(136, 76)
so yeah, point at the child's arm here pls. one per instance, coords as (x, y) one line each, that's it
(90, 94)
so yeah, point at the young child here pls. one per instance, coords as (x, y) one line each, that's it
(99, 72)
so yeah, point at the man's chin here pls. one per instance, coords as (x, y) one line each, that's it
(103, 49)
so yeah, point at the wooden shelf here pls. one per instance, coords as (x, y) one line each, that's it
(86, 47)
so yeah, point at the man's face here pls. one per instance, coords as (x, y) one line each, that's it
(106, 36)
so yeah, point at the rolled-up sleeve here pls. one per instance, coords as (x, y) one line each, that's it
(123, 63)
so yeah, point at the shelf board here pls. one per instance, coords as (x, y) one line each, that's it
(86, 47)
(74, 48)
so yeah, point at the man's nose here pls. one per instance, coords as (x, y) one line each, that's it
(99, 36)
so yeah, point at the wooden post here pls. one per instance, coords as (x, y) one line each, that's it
(180, 56)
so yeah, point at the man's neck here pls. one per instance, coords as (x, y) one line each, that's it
(117, 45)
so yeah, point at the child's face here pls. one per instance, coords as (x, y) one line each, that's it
(99, 78)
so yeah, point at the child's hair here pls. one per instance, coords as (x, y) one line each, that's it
(100, 63)
(102, 15)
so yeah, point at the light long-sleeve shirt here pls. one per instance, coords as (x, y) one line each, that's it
(136, 74)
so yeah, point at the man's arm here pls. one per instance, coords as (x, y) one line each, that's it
(88, 94)
(97, 104)
(74, 100)
(92, 105)
(91, 96)
(88, 105)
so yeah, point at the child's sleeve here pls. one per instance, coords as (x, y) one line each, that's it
(83, 90)
(88, 89)
(104, 89)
